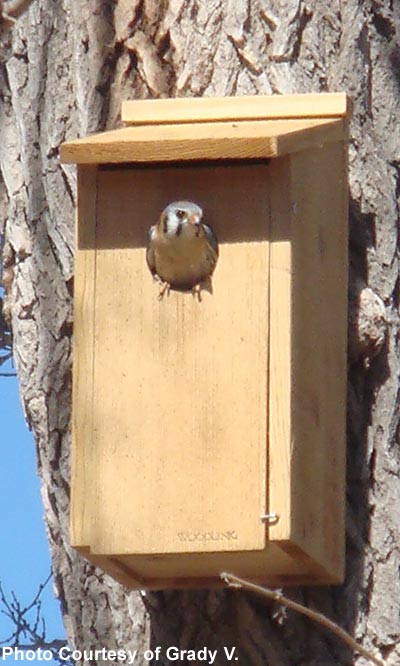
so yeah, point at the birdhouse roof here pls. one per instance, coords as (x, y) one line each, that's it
(205, 128)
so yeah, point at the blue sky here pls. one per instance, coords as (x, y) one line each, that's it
(24, 552)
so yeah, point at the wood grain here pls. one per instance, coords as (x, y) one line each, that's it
(180, 387)
(82, 470)
(319, 368)
(209, 109)
(211, 141)
(308, 338)
(280, 351)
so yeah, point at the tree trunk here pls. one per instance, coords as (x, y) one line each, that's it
(66, 67)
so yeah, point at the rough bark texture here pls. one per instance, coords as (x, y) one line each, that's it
(66, 66)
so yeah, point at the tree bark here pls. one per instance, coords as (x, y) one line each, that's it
(65, 68)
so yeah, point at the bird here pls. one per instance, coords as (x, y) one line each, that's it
(182, 250)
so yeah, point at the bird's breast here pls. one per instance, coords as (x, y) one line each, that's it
(182, 261)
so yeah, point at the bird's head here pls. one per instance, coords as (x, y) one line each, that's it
(180, 215)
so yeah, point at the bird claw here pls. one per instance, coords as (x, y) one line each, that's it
(165, 289)
(196, 291)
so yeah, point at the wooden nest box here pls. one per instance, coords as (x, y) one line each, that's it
(210, 436)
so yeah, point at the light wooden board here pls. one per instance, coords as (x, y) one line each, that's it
(272, 566)
(180, 387)
(116, 568)
(82, 478)
(268, 562)
(280, 351)
(319, 369)
(308, 366)
(212, 141)
(207, 109)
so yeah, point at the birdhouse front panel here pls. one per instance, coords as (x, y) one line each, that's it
(180, 386)
(208, 419)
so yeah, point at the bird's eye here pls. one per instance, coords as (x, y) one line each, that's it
(180, 214)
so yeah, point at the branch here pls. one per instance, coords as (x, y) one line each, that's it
(274, 595)
(55, 646)
(29, 627)
(35, 599)
(5, 358)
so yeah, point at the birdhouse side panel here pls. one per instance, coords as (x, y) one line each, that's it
(319, 315)
(82, 456)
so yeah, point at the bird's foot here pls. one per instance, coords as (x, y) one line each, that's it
(196, 291)
(165, 289)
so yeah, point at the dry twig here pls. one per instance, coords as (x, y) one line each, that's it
(29, 631)
(274, 595)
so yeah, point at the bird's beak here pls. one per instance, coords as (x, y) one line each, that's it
(195, 219)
